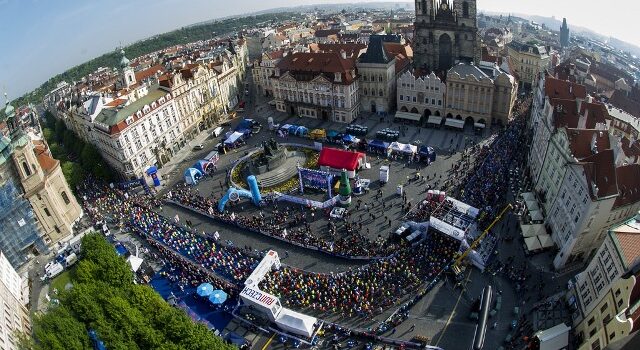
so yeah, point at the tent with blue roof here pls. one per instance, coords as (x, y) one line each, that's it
(302, 131)
(191, 176)
(349, 138)
(378, 145)
(202, 166)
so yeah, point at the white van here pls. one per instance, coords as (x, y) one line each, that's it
(217, 131)
(54, 270)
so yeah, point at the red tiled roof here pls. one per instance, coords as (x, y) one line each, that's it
(339, 159)
(146, 73)
(628, 177)
(556, 88)
(630, 103)
(580, 141)
(326, 32)
(599, 168)
(301, 63)
(596, 113)
(352, 49)
(44, 159)
(629, 242)
(116, 102)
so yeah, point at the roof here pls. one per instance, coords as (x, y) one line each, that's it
(146, 73)
(326, 32)
(629, 103)
(556, 88)
(42, 154)
(113, 116)
(522, 47)
(628, 185)
(465, 69)
(627, 238)
(339, 159)
(351, 49)
(600, 170)
(376, 52)
(553, 332)
(302, 63)
(585, 142)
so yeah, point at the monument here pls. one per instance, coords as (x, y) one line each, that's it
(345, 190)
(272, 156)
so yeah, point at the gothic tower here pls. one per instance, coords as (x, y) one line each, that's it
(564, 34)
(446, 32)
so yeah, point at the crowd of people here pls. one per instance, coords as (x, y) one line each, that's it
(288, 223)
(367, 290)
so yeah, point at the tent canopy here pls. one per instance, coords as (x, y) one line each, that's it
(545, 240)
(349, 138)
(332, 133)
(135, 262)
(434, 119)
(455, 123)
(532, 204)
(533, 243)
(191, 175)
(529, 196)
(152, 170)
(301, 130)
(339, 159)
(201, 165)
(407, 148)
(532, 230)
(408, 116)
(292, 128)
(479, 125)
(536, 215)
(378, 144)
(296, 322)
(233, 137)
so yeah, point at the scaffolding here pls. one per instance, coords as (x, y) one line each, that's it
(20, 238)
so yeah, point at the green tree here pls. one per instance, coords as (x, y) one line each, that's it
(60, 129)
(73, 173)
(59, 330)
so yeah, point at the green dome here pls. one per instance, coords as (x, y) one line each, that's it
(8, 111)
(124, 61)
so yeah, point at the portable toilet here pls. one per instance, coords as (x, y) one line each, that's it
(384, 173)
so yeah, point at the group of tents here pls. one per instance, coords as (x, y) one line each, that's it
(424, 152)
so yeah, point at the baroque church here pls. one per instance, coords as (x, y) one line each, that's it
(446, 32)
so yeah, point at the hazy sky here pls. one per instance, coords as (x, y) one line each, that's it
(40, 38)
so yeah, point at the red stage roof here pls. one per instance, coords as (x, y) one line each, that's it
(339, 159)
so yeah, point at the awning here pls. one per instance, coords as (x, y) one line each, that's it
(434, 119)
(455, 123)
(532, 243)
(408, 116)
(532, 204)
(479, 125)
(135, 262)
(296, 322)
(233, 137)
(532, 230)
(529, 196)
(545, 241)
(536, 215)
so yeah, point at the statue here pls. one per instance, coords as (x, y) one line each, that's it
(267, 149)
(274, 144)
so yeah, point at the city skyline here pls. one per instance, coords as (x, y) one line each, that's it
(71, 33)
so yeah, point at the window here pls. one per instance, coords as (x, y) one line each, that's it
(401, 97)
(27, 170)
(591, 320)
(612, 335)
(414, 99)
(596, 344)
(46, 211)
(65, 198)
(604, 307)
(591, 334)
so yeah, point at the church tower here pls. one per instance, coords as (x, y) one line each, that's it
(564, 34)
(128, 75)
(446, 32)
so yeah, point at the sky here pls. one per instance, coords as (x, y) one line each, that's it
(41, 38)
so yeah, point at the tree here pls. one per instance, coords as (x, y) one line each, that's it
(60, 129)
(124, 315)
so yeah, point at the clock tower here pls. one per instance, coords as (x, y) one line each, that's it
(446, 32)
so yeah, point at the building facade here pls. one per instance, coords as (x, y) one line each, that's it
(606, 295)
(422, 95)
(318, 85)
(377, 71)
(446, 33)
(12, 305)
(527, 60)
(263, 69)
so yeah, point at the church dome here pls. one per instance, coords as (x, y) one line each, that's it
(124, 61)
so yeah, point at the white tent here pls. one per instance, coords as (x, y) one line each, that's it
(556, 337)
(408, 116)
(410, 149)
(296, 322)
(135, 262)
(455, 123)
(529, 196)
(532, 230)
(545, 240)
(532, 204)
(434, 119)
(396, 146)
(233, 137)
(536, 215)
(532, 243)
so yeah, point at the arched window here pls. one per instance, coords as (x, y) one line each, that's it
(365, 91)
(26, 168)
(465, 9)
(65, 198)
(381, 93)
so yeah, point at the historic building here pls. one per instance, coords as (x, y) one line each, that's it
(606, 296)
(16, 318)
(527, 60)
(377, 71)
(421, 96)
(564, 34)
(321, 85)
(264, 68)
(446, 33)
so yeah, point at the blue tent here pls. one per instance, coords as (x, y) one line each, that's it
(348, 138)
(235, 339)
(191, 176)
(301, 131)
(245, 124)
(379, 144)
(201, 166)
(429, 152)
(204, 290)
(218, 297)
(293, 128)
(332, 133)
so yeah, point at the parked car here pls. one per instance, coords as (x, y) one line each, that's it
(198, 147)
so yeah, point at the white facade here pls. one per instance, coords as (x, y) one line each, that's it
(12, 306)
(422, 95)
